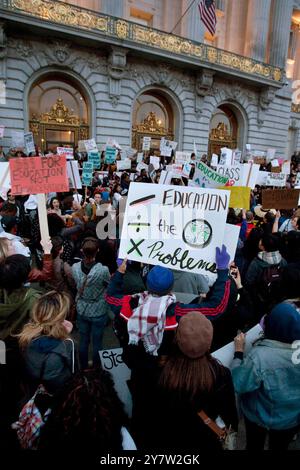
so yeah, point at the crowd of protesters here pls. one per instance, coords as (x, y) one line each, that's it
(53, 292)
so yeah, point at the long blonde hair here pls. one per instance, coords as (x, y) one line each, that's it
(48, 315)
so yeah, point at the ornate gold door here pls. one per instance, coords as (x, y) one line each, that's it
(58, 127)
(150, 127)
(220, 137)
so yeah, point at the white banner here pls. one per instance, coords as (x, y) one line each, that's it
(205, 177)
(174, 226)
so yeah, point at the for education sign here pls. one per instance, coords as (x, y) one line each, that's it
(175, 227)
(38, 175)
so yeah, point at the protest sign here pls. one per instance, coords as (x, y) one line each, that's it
(167, 146)
(205, 177)
(2, 131)
(127, 152)
(124, 164)
(226, 156)
(142, 166)
(155, 161)
(214, 160)
(90, 145)
(17, 139)
(276, 179)
(262, 178)
(94, 158)
(67, 151)
(233, 173)
(186, 169)
(236, 157)
(35, 175)
(286, 167)
(87, 173)
(112, 362)
(182, 157)
(110, 155)
(280, 198)
(146, 143)
(140, 157)
(29, 142)
(4, 176)
(175, 169)
(81, 146)
(271, 155)
(73, 174)
(165, 177)
(248, 147)
(239, 196)
(174, 226)
(225, 355)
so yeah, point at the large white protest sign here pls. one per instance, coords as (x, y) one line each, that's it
(225, 355)
(123, 164)
(205, 177)
(240, 175)
(112, 362)
(182, 157)
(146, 143)
(167, 146)
(17, 139)
(276, 179)
(174, 226)
(73, 174)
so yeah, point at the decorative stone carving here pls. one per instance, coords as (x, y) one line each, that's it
(3, 51)
(203, 86)
(61, 51)
(116, 69)
(266, 97)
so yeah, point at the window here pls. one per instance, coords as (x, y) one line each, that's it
(141, 17)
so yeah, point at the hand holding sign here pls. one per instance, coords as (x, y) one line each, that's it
(222, 258)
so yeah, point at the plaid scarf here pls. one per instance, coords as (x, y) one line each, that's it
(273, 257)
(147, 322)
(30, 422)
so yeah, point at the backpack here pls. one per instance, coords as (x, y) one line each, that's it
(269, 285)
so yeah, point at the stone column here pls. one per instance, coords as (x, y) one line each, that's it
(236, 26)
(257, 29)
(113, 7)
(280, 32)
(191, 25)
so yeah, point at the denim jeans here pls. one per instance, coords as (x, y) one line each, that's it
(90, 328)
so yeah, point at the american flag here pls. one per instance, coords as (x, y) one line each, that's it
(208, 15)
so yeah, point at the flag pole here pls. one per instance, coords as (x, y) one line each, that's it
(182, 16)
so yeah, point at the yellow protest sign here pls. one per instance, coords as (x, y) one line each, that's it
(239, 196)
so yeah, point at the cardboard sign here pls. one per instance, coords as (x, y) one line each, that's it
(73, 174)
(90, 145)
(225, 354)
(280, 198)
(182, 157)
(205, 177)
(67, 151)
(174, 226)
(112, 362)
(239, 197)
(123, 165)
(2, 131)
(110, 155)
(276, 179)
(94, 158)
(155, 161)
(87, 173)
(146, 143)
(42, 175)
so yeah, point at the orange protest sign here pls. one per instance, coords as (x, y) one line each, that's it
(33, 175)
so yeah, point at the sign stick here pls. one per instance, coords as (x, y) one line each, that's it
(43, 219)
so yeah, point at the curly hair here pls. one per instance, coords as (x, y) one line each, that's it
(87, 415)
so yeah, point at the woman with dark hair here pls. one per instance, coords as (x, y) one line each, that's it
(55, 206)
(87, 416)
(191, 381)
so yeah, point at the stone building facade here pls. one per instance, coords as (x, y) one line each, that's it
(117, 65)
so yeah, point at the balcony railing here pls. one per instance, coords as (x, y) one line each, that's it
(72, 16)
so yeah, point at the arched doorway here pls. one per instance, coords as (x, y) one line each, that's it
(58, 111)
(227, 129)
(153, 116)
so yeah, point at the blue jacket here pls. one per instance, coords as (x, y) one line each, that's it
(214, 307)
(268, 382)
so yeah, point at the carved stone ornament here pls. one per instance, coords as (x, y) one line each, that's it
(61, 51)
(266, 97)
(116, 69)
(203, 86)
